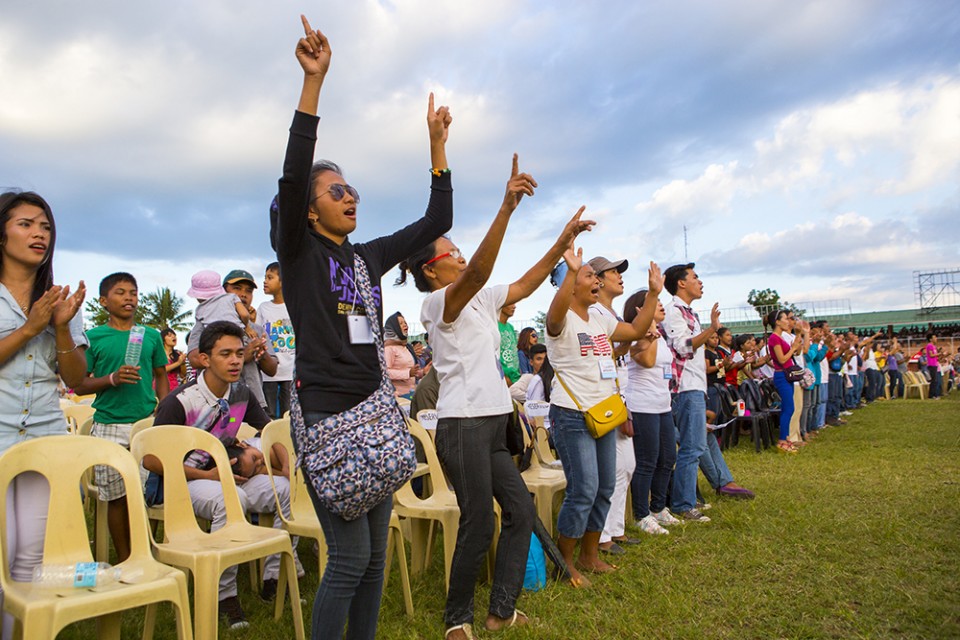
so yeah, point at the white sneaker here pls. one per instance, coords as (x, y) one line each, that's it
(665, 517)
(846, 413)
(650, 525)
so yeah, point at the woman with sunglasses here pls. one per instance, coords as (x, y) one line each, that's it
(474, 407)
(338, 360)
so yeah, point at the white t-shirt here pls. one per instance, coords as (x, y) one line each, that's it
(576, 354)
(870, 362)
(466, 354)
(824, 367)
(535, 391)
(649, 390)
(276, 322)
(766, 371)
(623, 377)
(851, 368)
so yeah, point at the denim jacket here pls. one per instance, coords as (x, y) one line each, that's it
(29, 403)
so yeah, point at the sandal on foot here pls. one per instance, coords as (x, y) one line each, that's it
(512, 622)
(466, 627)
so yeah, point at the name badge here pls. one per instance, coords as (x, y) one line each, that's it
(608, 369)
(667, 372)
(360, 330)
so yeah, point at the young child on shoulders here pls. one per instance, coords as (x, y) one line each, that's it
(216, 304)
(125, 393)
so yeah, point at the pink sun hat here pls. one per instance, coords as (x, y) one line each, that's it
(205, 285)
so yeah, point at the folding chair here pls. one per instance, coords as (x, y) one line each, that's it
(207, 555)
(43, 612)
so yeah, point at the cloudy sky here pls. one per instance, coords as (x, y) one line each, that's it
(811, 147)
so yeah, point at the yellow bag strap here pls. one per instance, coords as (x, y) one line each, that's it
(570, 393)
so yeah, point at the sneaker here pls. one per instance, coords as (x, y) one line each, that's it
(230, 607)
(664, 518)
(650, 525)
(846, 413)
(703, 506)
(269, 590)
(693, 515)
(735, 492)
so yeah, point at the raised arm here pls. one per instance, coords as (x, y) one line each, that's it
(627, 332)
(289, 222)
(557, 313)
(477, 272)
(533, 278)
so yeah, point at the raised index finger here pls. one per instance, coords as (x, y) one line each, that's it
(515, 169)
(430, 110)
(306, 25)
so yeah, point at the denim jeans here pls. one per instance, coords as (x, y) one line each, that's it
(713, 465)
(824, 392)
(589, 465)
(936, 382)
(690, 417)
(875, 380)
(654, 444)
(834, 395)
(851, 394)
(785, 389)
(352, 584)
(474, 455)
(277, 395)
(896, 383)
(805, 410)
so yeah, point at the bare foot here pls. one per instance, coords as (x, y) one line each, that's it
(494, 623)
(576, 579)
(595, 565)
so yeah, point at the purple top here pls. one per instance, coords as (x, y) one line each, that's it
(932, 360)
(773, 340)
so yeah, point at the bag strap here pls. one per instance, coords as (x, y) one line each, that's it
(570, 393)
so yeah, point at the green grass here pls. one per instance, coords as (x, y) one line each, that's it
(858, 536)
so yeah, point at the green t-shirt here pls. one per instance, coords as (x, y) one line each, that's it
(125, 403)
(509, 358)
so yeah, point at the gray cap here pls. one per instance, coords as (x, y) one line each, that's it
(601, 264)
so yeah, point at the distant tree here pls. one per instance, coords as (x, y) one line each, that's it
(162, 309)
(540, 322)
(766, 300)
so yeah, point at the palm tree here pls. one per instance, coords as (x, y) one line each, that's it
(95, 314)
(163, 308)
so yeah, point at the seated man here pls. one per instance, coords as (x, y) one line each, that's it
(219, 403)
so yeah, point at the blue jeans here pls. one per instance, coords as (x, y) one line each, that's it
(896, 383)
(475, 457)
(851, 394)
(936, 382)
(690, 417)
(352, 584)
(590, 466)
(834, 395)
(823, 393)
(785, 389)
(713, 465)
(654, 445)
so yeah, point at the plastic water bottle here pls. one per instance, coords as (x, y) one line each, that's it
(82, 575)
(134, 346)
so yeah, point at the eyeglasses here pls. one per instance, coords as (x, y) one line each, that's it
(337, 191)
(455, 254)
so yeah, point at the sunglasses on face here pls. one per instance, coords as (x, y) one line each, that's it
(337, 191)
(455, 254)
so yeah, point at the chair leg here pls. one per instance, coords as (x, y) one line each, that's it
(101, 533)
(181, 610)
(108, 626)
(149, 621)
(206, 603)
(38, 624)
(404, 574)
(755, 429)
(418, 544)
(288, 567)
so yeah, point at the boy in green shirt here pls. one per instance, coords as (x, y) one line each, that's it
(124, 395)
(509, 358)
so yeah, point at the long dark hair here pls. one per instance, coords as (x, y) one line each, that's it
(635, 300)
(546, 374)
(523, 342)
(8, 201)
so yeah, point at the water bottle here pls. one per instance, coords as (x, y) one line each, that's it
(134, 346)
(82, 575)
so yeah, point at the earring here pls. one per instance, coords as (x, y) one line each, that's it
(601, 285)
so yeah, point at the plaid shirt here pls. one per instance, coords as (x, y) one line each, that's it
(678, 328)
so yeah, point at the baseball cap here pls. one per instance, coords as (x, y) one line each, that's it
(601, 264)
(239, 275)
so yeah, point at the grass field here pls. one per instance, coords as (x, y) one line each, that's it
(858, 536)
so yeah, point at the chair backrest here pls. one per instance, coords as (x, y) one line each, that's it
(140, 425)
(246, 431)
(171, 444)
(79, 413)
(63, 460)
(301, 506)
(433, 462)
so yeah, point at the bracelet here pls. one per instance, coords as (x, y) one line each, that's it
(113, 382)
(439, 172)
(71, 350)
